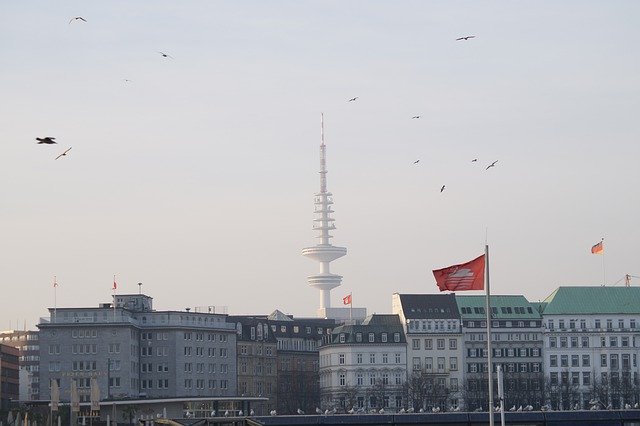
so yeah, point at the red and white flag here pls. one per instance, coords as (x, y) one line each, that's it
(598, 248)
(115, 286)
(466, 276)
(347, 299)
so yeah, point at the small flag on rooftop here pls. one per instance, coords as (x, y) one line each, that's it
(598, 248)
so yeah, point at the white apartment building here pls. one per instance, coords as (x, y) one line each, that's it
(591, 345)
(433, 330)
(363, 366)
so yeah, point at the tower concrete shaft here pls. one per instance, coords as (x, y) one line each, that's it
(324, 252)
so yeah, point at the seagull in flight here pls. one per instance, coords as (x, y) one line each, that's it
(417, 161)
(491, 165)
(442, 189)
(64, 153)
(165, 55)
(352, 99)
(474, 160)
(415, 116)
(77, 18)
(46, 140)
(126, 80)
(465, 38)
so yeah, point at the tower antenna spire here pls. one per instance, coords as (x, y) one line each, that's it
(324, 252)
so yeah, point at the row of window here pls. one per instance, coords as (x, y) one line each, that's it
(435, 325)
(428, 344)
(200, 383)
(510, 367)
(613, 360)
(84, 334)
(441, 362)
(188, 368)
(384, 338)
(246, 350)
(504, 337)
(494, 310)
(572, 342)
(372, 358)
(597, 324)
(504, 352)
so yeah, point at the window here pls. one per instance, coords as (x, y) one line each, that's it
(603, 360)
(372, 358)
(575, 378)
(575, 360)
(583, 324)
(342, 338)
(396, 337)
(563, 342)
(574, 342)
(564, 360)
(359, 358)
(440, 344)
(341, 359)
(553, 342)
(415, 344)
(609, 324)
(385, 358)
(397, 358)
(614, 362)
(572, 324)
(343, 379)
(561, 324)
(384, 337)
(453, 363)
(550, 324)
(620, 323)
(586, 361)
(360, 379)
(428, 344)
(585, 342)
(553, 360)
(428, 364)
(371, 338)
(453, 344)
(597, 323)
(416, 363)
(624, 341)
(586, 378)
(441, 363)
(554, 379)
(632, 323)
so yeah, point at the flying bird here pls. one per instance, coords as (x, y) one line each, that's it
(126, 80)
(77, 18)
(474, 160)
(352, 99)
(491, 165)
(417, 161)
(442, 189)
(64, 153)
(299, 411)
(465, 38)
(416, 116)
(165, 55)
(46, 140)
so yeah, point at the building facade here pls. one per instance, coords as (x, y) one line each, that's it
(9, 375)
(363, 366)
(433, 331)
(298, 342)
(516, 343)
(27, 343)
(256, 361)
(134, 351)
(592, 344)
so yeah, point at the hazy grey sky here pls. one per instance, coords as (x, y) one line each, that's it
(197, 177)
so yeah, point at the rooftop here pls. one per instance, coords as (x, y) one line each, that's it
(503, 307)
(593, 300)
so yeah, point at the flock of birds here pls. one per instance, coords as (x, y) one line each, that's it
(49, 140)
(464, 38)
(595, 405)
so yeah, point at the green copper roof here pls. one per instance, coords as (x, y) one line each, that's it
(503, 307)
(593, 300)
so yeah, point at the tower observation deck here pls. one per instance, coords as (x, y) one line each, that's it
(323, 252)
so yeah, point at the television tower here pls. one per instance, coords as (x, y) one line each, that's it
(324, 252)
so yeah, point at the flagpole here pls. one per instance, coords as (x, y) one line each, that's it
(488, 308)
(351, 305)
(114, 298)
(604, 275)
(55, 298)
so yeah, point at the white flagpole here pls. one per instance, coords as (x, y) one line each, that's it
(114, 298)
(604, 275)
(55, 298)
(488, 308)
(350, 306)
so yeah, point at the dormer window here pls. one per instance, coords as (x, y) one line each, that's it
(371, 338)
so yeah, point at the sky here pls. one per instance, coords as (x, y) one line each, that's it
(197, 176)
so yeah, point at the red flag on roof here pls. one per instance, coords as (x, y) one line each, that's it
(466, 276)
(598, 248)
(347, 299)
